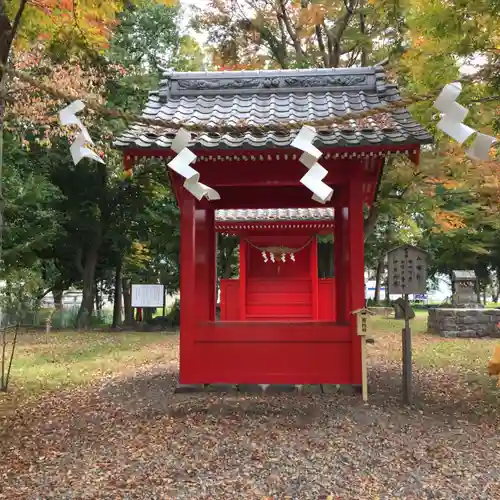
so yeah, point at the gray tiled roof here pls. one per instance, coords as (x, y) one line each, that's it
(278, 214)
(271, 98)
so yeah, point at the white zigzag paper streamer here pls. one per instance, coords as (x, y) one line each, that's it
(451, 122)
(67, 116)
(182, 165)
(313, 179)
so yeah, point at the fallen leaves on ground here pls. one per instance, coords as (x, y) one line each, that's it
(131, 437)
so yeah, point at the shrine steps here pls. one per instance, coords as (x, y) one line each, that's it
(270, 389)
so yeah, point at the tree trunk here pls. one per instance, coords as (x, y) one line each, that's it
(127, 302)
(378, 279)
(98, 301)
(147, 314)
(495, 286)
(117, 300)
(371, 221)
(87, 305)
(387, 299)
(57, 293)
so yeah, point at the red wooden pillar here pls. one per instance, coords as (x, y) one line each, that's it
(187, 289)
(341, 255)
(205, 265)
(314, 279)
(243, 279)
(356, 244)
(198, 275)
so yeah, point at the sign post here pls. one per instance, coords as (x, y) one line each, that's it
(148, 296)
(362, 316)
(407, 267)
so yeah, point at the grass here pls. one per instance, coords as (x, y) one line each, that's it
(66, 359)
(468, 358)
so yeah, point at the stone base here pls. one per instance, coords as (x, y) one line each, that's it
(464, 322)
(471, 305)
(188, 388)
(271, 389)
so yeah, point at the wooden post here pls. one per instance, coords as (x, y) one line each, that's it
(361, 320)
(364, 368)
(356, 268)
(314, 279)
(211, 257)
(243, 279)
(341, 256)
(187, 286)
(407, 355)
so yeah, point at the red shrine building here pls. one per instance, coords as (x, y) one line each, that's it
(279, 322)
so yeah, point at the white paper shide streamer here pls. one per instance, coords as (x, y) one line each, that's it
(67, 116)
(313, 179)
(182, 165)
(451, 122)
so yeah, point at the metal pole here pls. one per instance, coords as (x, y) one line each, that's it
(407, 362)
(164, 301)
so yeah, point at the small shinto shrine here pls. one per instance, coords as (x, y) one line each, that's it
(280, 323)
(278, 275)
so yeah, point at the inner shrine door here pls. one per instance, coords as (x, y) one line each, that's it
(279, 290)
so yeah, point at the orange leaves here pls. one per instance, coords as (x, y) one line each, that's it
(446, 221)
(66, 21)
(312, 15)
(31, 107)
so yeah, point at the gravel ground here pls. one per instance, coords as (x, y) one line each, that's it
(131, 437)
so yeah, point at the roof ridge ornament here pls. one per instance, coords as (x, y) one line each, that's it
(272, 82)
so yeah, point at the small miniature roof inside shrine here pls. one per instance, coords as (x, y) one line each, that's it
(235, 221)
(251, 169)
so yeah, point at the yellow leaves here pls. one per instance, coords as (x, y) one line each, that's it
(494, 364)
(168, 3)
(139, 256)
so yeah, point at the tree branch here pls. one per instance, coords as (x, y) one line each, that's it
(8, 31)
(321, 44)
(362, 29)
(338, 30)
(290, 29)
(371, 220)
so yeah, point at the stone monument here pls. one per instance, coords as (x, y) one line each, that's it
(465, 292)
(466, 318)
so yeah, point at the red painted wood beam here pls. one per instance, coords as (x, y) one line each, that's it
(243, 280)
(168, 153)
(276, 228)
(265, 197)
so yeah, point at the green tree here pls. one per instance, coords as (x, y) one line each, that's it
(304, 33)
